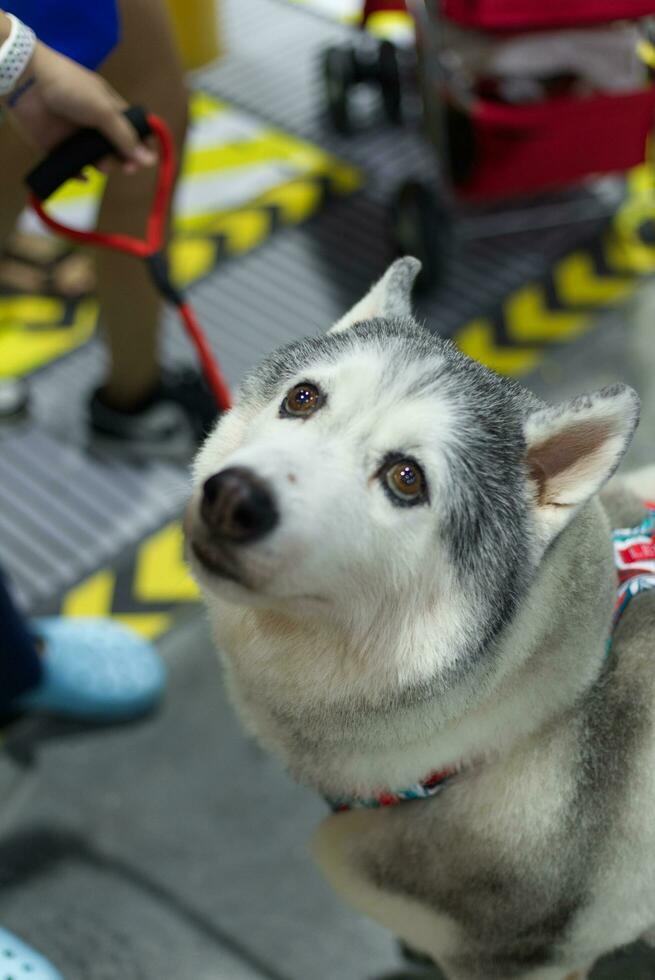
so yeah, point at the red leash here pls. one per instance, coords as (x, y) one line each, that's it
(87, 147)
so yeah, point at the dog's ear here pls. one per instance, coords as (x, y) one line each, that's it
(574, 448)
(389, 297)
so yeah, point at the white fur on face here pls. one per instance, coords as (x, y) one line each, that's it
(341, 543)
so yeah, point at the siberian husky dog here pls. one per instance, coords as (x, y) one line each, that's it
(409, 573)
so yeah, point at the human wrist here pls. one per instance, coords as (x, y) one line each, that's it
(28, 78)
(5, 27)
(16, 54)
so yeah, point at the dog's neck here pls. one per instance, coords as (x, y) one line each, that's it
(542, 663)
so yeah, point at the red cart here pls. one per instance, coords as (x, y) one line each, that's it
(494, 149)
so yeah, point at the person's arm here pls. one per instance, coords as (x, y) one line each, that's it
(5, 27)
(54, 96)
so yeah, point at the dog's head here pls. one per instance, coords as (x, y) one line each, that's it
(378, 468)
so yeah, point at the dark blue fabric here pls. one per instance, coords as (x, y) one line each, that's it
(20, 664)
(85, 30)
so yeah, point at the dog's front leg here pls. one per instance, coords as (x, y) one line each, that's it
(338, 846)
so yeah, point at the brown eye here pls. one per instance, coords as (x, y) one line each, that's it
(406, 481)
(302, 399)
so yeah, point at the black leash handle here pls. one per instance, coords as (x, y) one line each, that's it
(81, 149)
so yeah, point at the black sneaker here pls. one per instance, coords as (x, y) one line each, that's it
(170, 424)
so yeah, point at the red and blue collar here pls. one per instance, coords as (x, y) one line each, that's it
(634, 558)
(427, 787)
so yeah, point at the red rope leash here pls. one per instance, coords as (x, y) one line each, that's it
(152, 249)
(210, 367)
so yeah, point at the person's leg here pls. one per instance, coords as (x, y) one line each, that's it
(181, 409)
(145, 69)
(20, 664)
(16, 159)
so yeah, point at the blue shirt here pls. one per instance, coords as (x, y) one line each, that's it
(85, 30)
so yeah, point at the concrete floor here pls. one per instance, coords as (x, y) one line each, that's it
(171, 849)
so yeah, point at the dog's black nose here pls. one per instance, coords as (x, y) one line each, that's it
(237, 505)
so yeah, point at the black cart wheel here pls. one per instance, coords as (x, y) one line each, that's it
(339, 75)
(389, 77)
(368, 63)
(422, 226)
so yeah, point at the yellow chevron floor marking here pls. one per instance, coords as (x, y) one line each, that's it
(157, 576)
(161, 574)
(267, 147)
(641, 179)
(295, 201)
(34, 310)
(242, 231)
(624, 250)
(626, 255)
(22, 351)
(623, 247)
(578, 284)
(528, 318)
(190, 259)
(92, 597)
(646, 52)
(477, 339)
(205, 106)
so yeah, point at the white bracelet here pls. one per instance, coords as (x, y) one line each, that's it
(15, 54)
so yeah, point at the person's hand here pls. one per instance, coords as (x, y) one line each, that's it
(61, 97)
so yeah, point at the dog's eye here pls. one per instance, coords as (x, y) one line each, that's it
(406, 481)
(302, 399)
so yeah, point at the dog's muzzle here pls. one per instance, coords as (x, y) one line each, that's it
(237, 506)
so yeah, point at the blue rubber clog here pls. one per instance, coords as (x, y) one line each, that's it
(95, 670)
(18, 961)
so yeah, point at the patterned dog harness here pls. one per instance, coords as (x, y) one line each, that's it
(634, 557)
